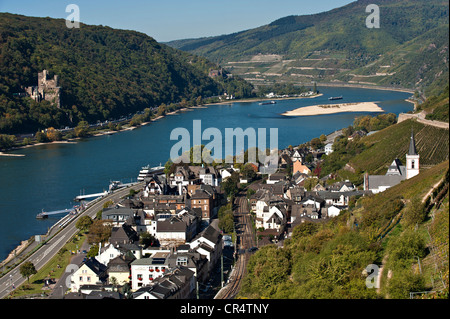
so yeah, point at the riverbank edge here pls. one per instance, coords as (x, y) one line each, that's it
(190, 108)
(129, 128)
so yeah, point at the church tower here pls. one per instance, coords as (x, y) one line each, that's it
(412, 159)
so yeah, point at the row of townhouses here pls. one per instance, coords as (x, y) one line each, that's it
(175, 211)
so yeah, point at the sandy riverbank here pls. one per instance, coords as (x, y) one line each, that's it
(334, 108)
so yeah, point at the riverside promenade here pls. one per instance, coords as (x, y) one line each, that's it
(40, 254)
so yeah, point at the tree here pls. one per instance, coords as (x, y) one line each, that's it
(7, 141)
(248, 171)
(27, 270)
(226, 223)
(53, 135)
(310, 183)
(147, 240)
(99, 232)
(316, 143)
(41, 137)
(82, 129)
(84, 223)
(230, 185)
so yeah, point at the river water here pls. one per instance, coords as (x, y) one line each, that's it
(49, 177)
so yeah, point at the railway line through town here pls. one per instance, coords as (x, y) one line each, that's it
(245, 241)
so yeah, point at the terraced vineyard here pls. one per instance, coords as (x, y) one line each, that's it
(383, 147)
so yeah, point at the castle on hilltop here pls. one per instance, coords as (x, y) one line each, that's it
(46, 89)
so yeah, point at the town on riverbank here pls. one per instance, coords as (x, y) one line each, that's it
(177, 236)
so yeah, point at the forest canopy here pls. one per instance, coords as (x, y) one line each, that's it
(104, 73)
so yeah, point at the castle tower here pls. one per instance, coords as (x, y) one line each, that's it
(412, 159)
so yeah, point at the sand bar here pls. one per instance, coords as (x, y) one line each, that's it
(334, 108)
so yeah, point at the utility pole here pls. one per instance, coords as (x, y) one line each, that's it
(196, 288)
(221, 266)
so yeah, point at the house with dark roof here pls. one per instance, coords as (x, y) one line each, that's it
(204, 200)
(178, 284)
(119, 269)
(91, 272)
(209, 243)
(171, 231)
(117, 215)
(123, 234)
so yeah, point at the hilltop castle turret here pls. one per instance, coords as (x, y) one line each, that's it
(46, 89)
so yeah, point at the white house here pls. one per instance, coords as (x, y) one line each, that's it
(145, 270)
(333, 211)
(274, 219)
(328, 148)
(110, 252)
(209, 243)
(91, 272)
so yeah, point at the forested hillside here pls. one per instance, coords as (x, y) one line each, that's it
(410, 49)
(103, 72)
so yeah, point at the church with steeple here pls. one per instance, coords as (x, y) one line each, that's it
(412, 159)
(397, 172)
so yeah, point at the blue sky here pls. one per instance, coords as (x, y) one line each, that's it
(174, 19)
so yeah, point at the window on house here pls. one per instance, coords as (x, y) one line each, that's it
(413, 164)
(81, 278)
(89, 279)
(182, 261)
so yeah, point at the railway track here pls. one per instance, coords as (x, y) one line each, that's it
(246, 240)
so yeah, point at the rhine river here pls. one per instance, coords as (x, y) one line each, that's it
(49, 177)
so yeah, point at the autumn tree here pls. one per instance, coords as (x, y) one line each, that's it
(99, 232)
(53, 134)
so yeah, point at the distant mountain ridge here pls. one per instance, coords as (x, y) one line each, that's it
(329, 46)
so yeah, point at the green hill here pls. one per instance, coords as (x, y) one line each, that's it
(403, 230)
(406, 51)
(386, 145)
(390, 230)
(394, 230)
(104, 73)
